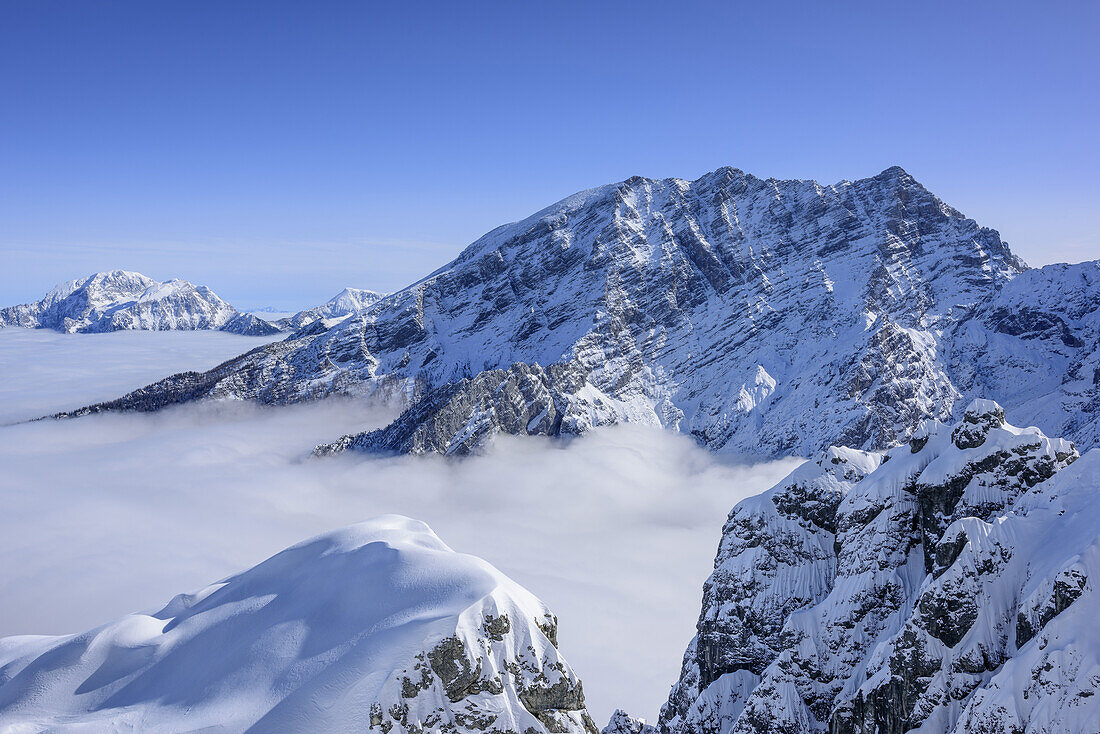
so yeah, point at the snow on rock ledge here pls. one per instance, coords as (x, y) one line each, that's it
(377, 627)
(945, 585)
(623, 723)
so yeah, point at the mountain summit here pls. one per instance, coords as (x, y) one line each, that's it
(120, 300)
(345, 303)
(760, 316)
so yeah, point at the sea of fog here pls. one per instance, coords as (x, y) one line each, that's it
(45, 371)
(106, 515)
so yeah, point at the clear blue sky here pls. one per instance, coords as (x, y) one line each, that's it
(277, 151)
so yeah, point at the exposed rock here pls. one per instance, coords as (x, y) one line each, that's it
(623, 723)
(777, 556)
(760, 316)
(888, 595)
(377, 627)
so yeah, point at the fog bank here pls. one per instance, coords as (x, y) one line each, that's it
(106, 515)
(44, 371)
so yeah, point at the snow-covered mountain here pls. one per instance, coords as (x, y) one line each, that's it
(948, 585)
(377, 627)
(761, 316)
(348, 302)
(120, 300)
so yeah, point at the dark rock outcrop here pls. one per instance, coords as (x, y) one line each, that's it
(868, 594)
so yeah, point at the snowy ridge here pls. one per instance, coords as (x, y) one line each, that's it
(761, 316)
(348, 302)
(909, 590)
(777, 555)
(1005, 637)
(376, 627)
(122, 300)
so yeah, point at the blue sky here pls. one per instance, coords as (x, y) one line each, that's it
(278, 151)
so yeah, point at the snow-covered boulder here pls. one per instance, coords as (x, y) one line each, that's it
(376, 627)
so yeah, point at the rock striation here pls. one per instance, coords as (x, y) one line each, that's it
(760, 316)
(941, 586)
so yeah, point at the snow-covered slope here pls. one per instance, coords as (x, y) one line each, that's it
(623, 723)
(944, 586)
(348, 302)
(761, 316)
(121, 300)
(377, 627)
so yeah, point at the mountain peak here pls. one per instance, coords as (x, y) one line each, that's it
(114, 300)
(348, 302)
(894, 172)
(729, 308)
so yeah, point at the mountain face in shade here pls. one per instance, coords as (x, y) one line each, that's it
(761, 316)
(120, 300)
(378, 627)
(946, 585)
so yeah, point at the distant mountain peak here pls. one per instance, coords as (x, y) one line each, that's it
(348, 302)
(117, 300)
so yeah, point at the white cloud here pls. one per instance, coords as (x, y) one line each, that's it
(616, 531)
(44, 371)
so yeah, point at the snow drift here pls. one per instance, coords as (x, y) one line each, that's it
(378, 626)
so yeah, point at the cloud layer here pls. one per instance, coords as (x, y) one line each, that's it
(43, 371)
(106, 515)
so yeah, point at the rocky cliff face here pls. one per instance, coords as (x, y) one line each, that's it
(121, 300)
(1035, 348)
(378, 627)
(623, 723)
(760, 316)
(915, 588)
